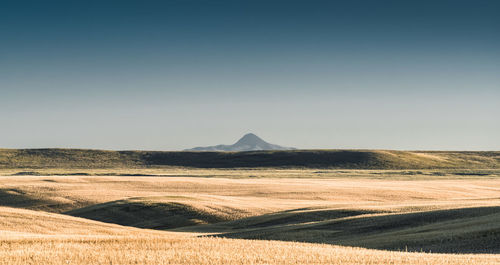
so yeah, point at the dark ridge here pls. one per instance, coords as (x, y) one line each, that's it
(29, 160)
(349, 159)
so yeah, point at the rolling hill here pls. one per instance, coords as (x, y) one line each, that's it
(337, 159)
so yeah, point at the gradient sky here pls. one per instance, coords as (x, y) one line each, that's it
(169, 75)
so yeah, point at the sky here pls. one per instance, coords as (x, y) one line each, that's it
(170, 75)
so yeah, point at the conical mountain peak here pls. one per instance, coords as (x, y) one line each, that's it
(249, 142)
(250, 139)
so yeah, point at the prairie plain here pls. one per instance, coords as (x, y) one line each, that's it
(180, 215)
(201, 220)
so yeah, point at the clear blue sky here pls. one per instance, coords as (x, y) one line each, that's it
(169, 75)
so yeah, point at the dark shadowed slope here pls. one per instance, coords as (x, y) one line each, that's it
(249, 142)
(466, 230)
(148, 214)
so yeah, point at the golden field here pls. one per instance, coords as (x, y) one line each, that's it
(251, 216)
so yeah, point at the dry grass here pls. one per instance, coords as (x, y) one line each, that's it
(164, 250)
(258, 196)
(306, 209)
(42, 238)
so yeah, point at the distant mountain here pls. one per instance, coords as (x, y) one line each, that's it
(249, 142)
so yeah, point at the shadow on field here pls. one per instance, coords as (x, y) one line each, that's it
(21, 199)
(147, 214)
(295, 217)
(465, 230)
